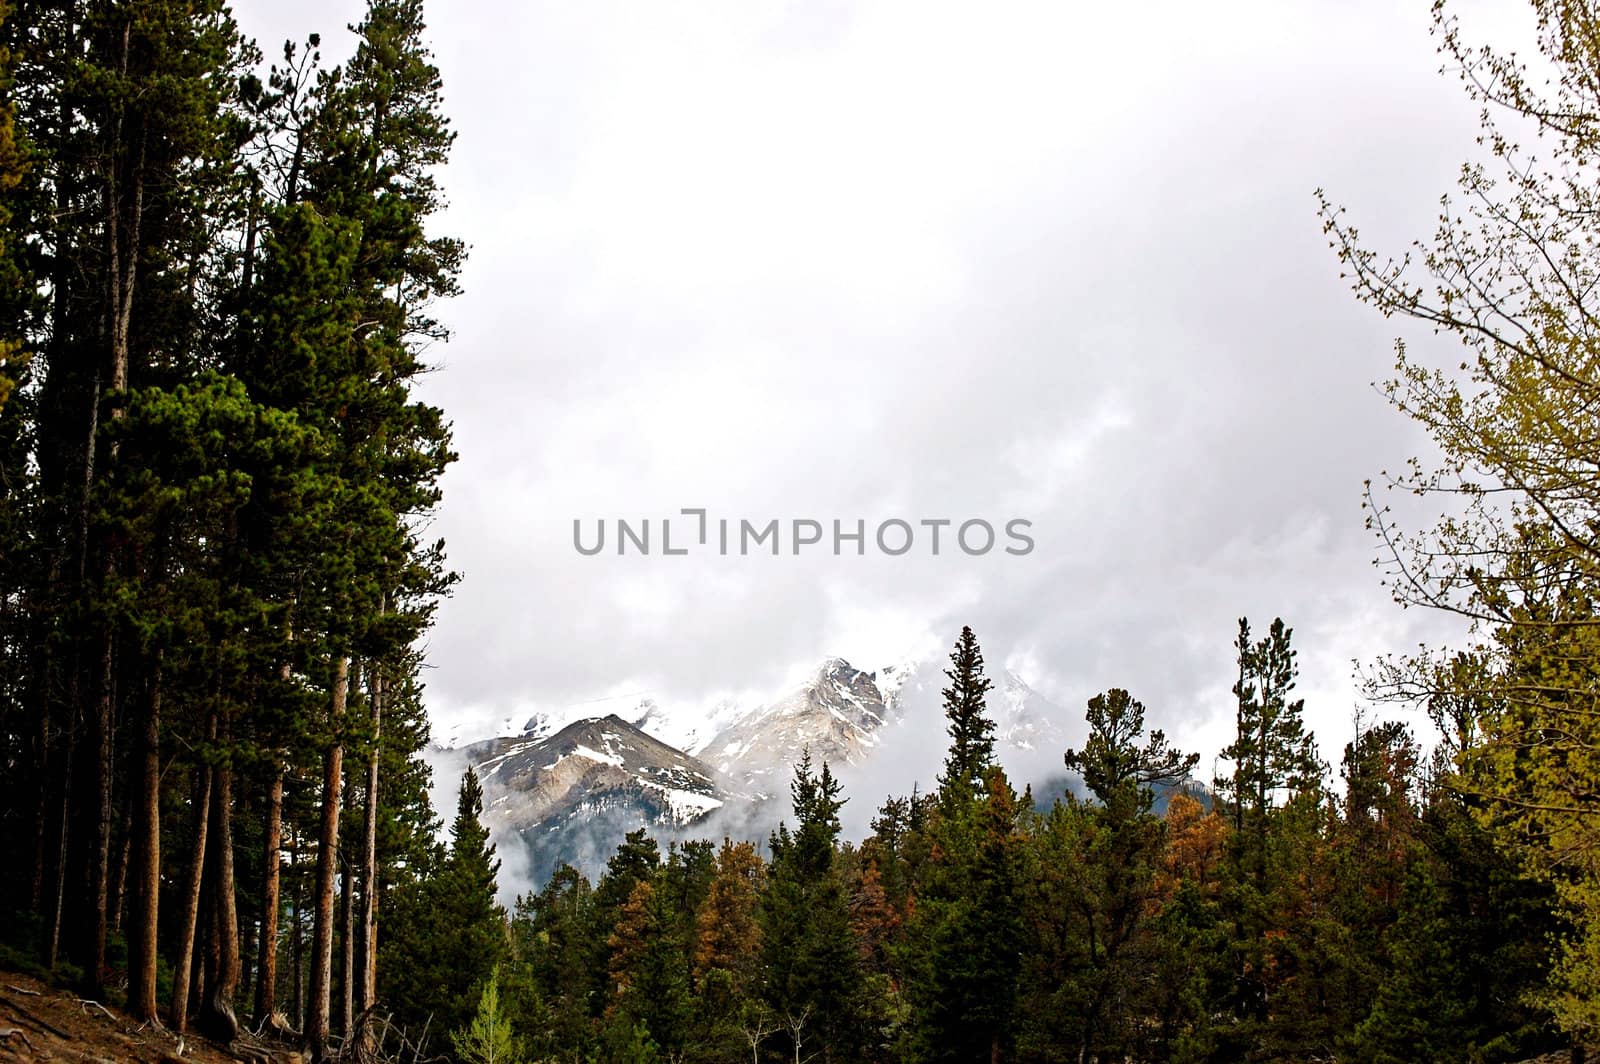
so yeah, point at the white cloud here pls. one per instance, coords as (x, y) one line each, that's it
(920, 260)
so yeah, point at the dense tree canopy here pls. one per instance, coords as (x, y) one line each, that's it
(1510, 274)
(1130, 920)
(215, 279)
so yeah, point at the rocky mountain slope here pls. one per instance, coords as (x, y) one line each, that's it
(569, 789)
(836, 714)
(571, 796)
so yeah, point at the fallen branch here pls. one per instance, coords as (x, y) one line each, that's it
(22, 990)
(251, 1054)
(7, 1032)
(29, 1017)
(85, 1004)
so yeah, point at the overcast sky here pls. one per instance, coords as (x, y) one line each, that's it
(820, 260)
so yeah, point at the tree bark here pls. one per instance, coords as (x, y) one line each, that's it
(100, 850)
(297, 943)
(119, 868)
(368, 992)
(272, 837)
(347, 927)
(63, 825)
(45, 760)
(327, 866)
(178, 1014)
(123, 223)
(267, 958)
(146, 861)
(217, 1018)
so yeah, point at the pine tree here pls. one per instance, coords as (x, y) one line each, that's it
(873, 920)
(471, 923)
(488, 1038)
(810, 963)
(1097, 919)
(627, 1041)
(553, 949)
(1271, 751)
(452, 934)
(964, 941)
(728, 937)
(727, 949)
(1459, 970)
(1117, 771)
(1196, 838)
(971, 730)
(1274, 801)
(648, 967)
(226, 472)
(129, 119)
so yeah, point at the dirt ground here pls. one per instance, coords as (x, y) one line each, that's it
(39, 1023)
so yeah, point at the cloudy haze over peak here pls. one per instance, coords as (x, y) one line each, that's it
(860, 262)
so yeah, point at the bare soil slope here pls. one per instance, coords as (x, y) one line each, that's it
(41, 1023)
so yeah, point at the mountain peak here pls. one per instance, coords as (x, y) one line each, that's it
(835, 714)
(609, 765)
(834, 666)
(599, 773)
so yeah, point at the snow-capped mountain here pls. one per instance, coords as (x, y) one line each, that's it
(586, 756)
(835, 714)
(630, 706)
(576, 780)
(689, 728)
(574, 794)
(686, 727)
(1023, 718)
(908, 681)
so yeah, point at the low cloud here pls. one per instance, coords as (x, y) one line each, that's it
(1051, 262)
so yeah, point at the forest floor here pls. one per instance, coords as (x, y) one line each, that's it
(41, 1023)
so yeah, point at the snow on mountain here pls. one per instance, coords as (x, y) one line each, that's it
(685, 726)
(530, 777)
(689, 728)
(1023, 718)
(836, 714)
(630, 706)
(906, 679)
(571, 796)
(574, 781)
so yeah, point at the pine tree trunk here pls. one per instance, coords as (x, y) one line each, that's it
(347, 927)
(119, 868)
(178, 1013)
(146, 861)
(46, 763)
(1262, 768)
(63, 825)
(267, 958)
(368, 994)
(217, 1018)
(327, 865)
(1239, 762)
(123, 224)
(297, 943)
(100, 850)
(272, 837)
(61, 285)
